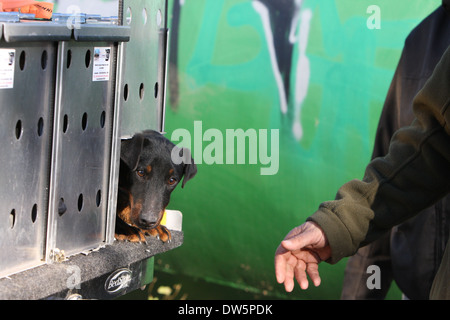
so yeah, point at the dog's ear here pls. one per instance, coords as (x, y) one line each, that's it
(190, 168)
(131, 150)
(182, 157)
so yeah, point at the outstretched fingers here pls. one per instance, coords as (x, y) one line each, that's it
(284, 268)
(280, 263)
(298, 266)
(302, 269)
(313, 271)
(300, 274)
(289, 278)
(299, 255)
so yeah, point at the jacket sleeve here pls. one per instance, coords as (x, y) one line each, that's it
(412, 176)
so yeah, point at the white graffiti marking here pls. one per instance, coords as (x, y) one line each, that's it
(300, 27)
(302, 73)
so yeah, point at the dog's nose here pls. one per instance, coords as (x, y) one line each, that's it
(148, 224)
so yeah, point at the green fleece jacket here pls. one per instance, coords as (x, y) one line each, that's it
(414, 175)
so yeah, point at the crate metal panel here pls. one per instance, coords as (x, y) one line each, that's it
(141, 82)
(25, 139)
(81, 149)
(36, 31)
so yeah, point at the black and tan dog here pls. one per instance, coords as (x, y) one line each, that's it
(148, 175)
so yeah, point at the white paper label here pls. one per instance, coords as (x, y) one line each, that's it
(7, 57)
(102, 62)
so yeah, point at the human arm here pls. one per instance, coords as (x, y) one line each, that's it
(414, 175)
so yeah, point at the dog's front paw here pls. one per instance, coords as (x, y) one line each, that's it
(125, 232)
(135, 237)
(161, 232)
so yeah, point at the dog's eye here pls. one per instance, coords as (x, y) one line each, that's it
(172, 181)
(140, 173)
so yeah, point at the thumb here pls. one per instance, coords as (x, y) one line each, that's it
(297, 242)
(306, 235)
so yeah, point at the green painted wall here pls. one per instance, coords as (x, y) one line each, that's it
(228, 71)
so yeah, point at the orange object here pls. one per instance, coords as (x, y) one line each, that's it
(42, 10)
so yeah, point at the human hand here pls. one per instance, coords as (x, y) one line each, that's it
(299, 254)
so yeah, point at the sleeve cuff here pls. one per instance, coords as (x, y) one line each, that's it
(338, 237)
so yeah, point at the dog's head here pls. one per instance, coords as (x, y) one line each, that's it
(149, 175)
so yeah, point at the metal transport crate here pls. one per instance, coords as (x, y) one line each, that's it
(143, 66)
(27, 78)
(82, 146)
(70, 90)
